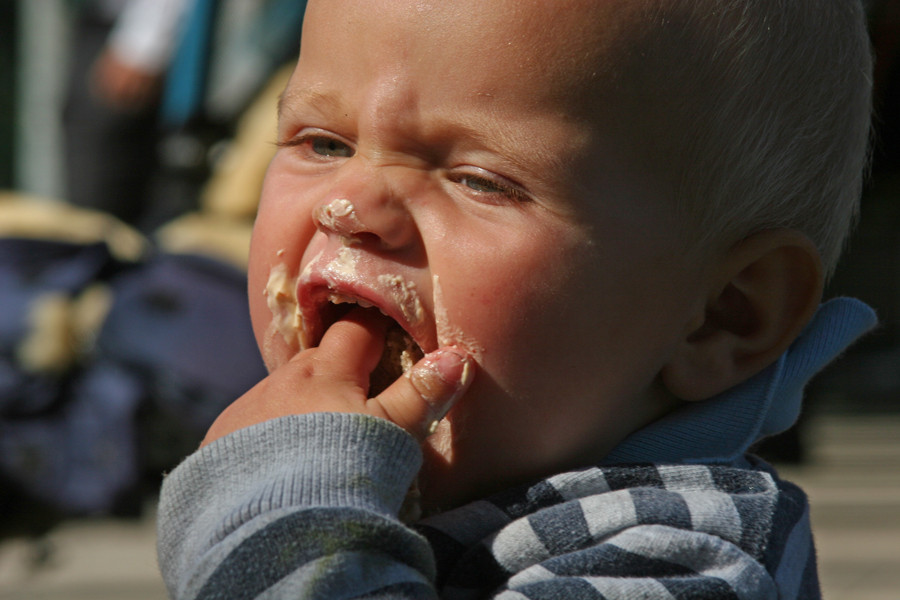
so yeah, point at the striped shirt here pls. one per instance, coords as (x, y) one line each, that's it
(306, 507)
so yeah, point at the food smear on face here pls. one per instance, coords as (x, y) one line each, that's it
(444, 431)
(281, 298)
(404, 295)
(340, 216)
(343, 266)
(447, 333)
(400, 352)
(341, 271)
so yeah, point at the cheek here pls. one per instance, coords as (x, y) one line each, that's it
(281, 233)
(510, 297)
(267, 258)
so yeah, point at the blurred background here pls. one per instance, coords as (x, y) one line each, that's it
(133, 139)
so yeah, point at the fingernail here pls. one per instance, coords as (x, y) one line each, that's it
(453, 365)
(441, 378)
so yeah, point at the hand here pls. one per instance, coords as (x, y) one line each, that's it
(123, 86)
(334, 377)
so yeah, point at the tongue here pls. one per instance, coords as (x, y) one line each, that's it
(399, 355)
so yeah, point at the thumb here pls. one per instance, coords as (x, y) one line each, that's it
(419, 400)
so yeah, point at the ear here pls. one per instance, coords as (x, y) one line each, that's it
(762, 294)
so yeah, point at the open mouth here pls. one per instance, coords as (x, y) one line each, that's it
(400, 351)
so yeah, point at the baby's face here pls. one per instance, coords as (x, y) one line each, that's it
(437, 161)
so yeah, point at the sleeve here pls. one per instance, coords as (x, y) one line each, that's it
(301, 506)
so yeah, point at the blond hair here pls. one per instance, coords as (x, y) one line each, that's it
(772, 103)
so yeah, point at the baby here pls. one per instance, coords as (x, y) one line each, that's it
(535, 274)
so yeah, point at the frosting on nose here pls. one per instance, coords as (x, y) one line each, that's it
(340, 217)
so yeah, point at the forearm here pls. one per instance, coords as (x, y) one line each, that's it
(299, 504)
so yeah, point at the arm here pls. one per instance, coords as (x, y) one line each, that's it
(302, 506)
(296, 491)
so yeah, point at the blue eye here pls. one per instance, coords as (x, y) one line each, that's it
(491, 190)
(482, 185)
(316, 145)
(325, 146)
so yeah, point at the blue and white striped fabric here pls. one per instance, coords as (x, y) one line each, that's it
(305, 507)
(638, 531)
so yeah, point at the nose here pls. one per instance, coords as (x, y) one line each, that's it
(365, 207)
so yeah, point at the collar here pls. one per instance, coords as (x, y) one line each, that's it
(721, 429)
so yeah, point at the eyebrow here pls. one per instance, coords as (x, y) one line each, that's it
(501, 141)
(307, 96)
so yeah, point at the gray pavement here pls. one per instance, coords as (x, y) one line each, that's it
(853, 479)
(89, 560)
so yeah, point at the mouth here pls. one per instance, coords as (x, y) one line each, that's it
(401, 350)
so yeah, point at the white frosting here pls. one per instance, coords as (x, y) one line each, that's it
(403, 293)
(287, 322)
(340, 216)
(281, 293)
(343, 266)
(447, 333)
(281, 298)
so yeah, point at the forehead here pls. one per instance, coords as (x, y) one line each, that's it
(529, 82)
(537, 49)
